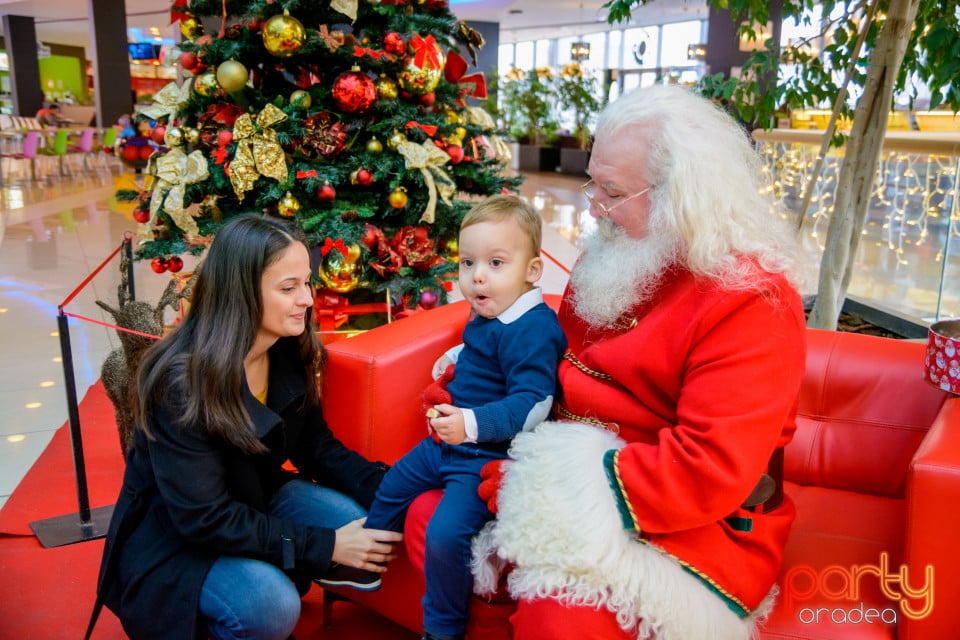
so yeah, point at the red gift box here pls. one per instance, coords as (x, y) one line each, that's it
(942, 364)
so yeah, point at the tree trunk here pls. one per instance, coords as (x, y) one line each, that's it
(862, 155)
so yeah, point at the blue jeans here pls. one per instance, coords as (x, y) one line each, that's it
(246, 598)
(459, 516)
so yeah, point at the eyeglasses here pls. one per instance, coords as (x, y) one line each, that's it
(589, 189)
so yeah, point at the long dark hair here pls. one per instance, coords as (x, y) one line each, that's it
(196, 372)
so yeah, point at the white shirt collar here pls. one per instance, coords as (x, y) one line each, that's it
(521, 305)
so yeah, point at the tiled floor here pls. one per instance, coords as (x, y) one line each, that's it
(54, 233)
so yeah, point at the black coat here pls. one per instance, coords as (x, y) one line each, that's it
(188, 498)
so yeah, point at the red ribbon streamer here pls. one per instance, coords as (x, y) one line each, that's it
(474, 84)
(329, 245)
(312, 173)
(429, 129)
(359, 52)
(425, 56)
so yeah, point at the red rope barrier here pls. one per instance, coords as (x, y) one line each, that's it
(111, 326)
(555, 261)
(90, 277)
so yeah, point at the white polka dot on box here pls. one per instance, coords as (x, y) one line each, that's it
(942, 365)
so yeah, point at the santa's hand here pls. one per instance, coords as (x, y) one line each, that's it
(440, 366)
(491, 477)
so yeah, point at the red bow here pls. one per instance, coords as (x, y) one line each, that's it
(329, 244)
(312, 173)
(428, 129)
(425, 56)
(474, 84)
(359, 52)
(175, 11)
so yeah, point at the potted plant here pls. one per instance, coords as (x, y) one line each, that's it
(577, 91)
(528, 111)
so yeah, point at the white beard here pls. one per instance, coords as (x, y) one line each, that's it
(616, 272)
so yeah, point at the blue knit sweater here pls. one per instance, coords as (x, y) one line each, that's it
(506, 373)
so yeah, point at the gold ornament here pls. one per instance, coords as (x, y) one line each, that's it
(232, 76)
(191, 28)
(398, 198)
(340, 272)
(452, 247)
(173, 137)
(422, 71)
(192, 136)
(459, 133)
(395, 140)
(258, 152)
(386, 87)
(206, 84)
(175, 170)
(430, 160)
(374, 146)
(283, 35)
(288, 206)
(301, 99)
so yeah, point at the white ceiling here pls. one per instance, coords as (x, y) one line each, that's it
(66, 21)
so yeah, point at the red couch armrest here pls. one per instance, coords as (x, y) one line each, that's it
(372, 382)
(933, 519)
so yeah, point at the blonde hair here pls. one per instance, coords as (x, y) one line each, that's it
(707, 184)
(504, 207)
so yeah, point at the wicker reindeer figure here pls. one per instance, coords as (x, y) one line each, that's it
(119, 369)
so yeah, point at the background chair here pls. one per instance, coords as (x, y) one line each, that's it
(84, 148)
(28, 151)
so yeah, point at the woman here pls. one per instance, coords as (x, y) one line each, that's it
(210, 535)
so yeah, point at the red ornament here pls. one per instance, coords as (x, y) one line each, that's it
(371, 236)
(145, 152)
(174, 264)
(158, 132)
(141, 215)
(428, 99)
(189, 60)
(394, 43)
(225, 137)
(428, 299)
(354, 92)
(364, 177)
(326, 193)
(456, 153)
(131, 153)
(159, 265)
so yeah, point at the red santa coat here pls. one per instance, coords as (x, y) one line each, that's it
(701, 384)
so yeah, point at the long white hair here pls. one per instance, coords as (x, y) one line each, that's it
(707, 184)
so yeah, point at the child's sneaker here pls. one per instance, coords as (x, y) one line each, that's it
(341, 575)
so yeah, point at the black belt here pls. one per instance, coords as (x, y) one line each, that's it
(768, 492)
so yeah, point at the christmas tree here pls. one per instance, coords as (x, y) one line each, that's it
(351, 117)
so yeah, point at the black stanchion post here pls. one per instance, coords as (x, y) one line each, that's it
(128, 252)
(87, 524)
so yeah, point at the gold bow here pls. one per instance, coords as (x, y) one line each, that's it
(430, 160)
(258, 152)
(167, 101)
(346, 7)
(174, 171)
(479, 117)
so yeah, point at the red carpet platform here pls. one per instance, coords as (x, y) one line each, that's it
(48, 592)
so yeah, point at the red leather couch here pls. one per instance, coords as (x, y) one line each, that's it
(874, 470)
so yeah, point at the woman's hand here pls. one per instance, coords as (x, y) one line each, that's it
(367, 549)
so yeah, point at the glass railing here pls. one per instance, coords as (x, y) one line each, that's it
(908, 259)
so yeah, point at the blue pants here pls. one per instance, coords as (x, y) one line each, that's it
(459, 516)
(247, 598)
